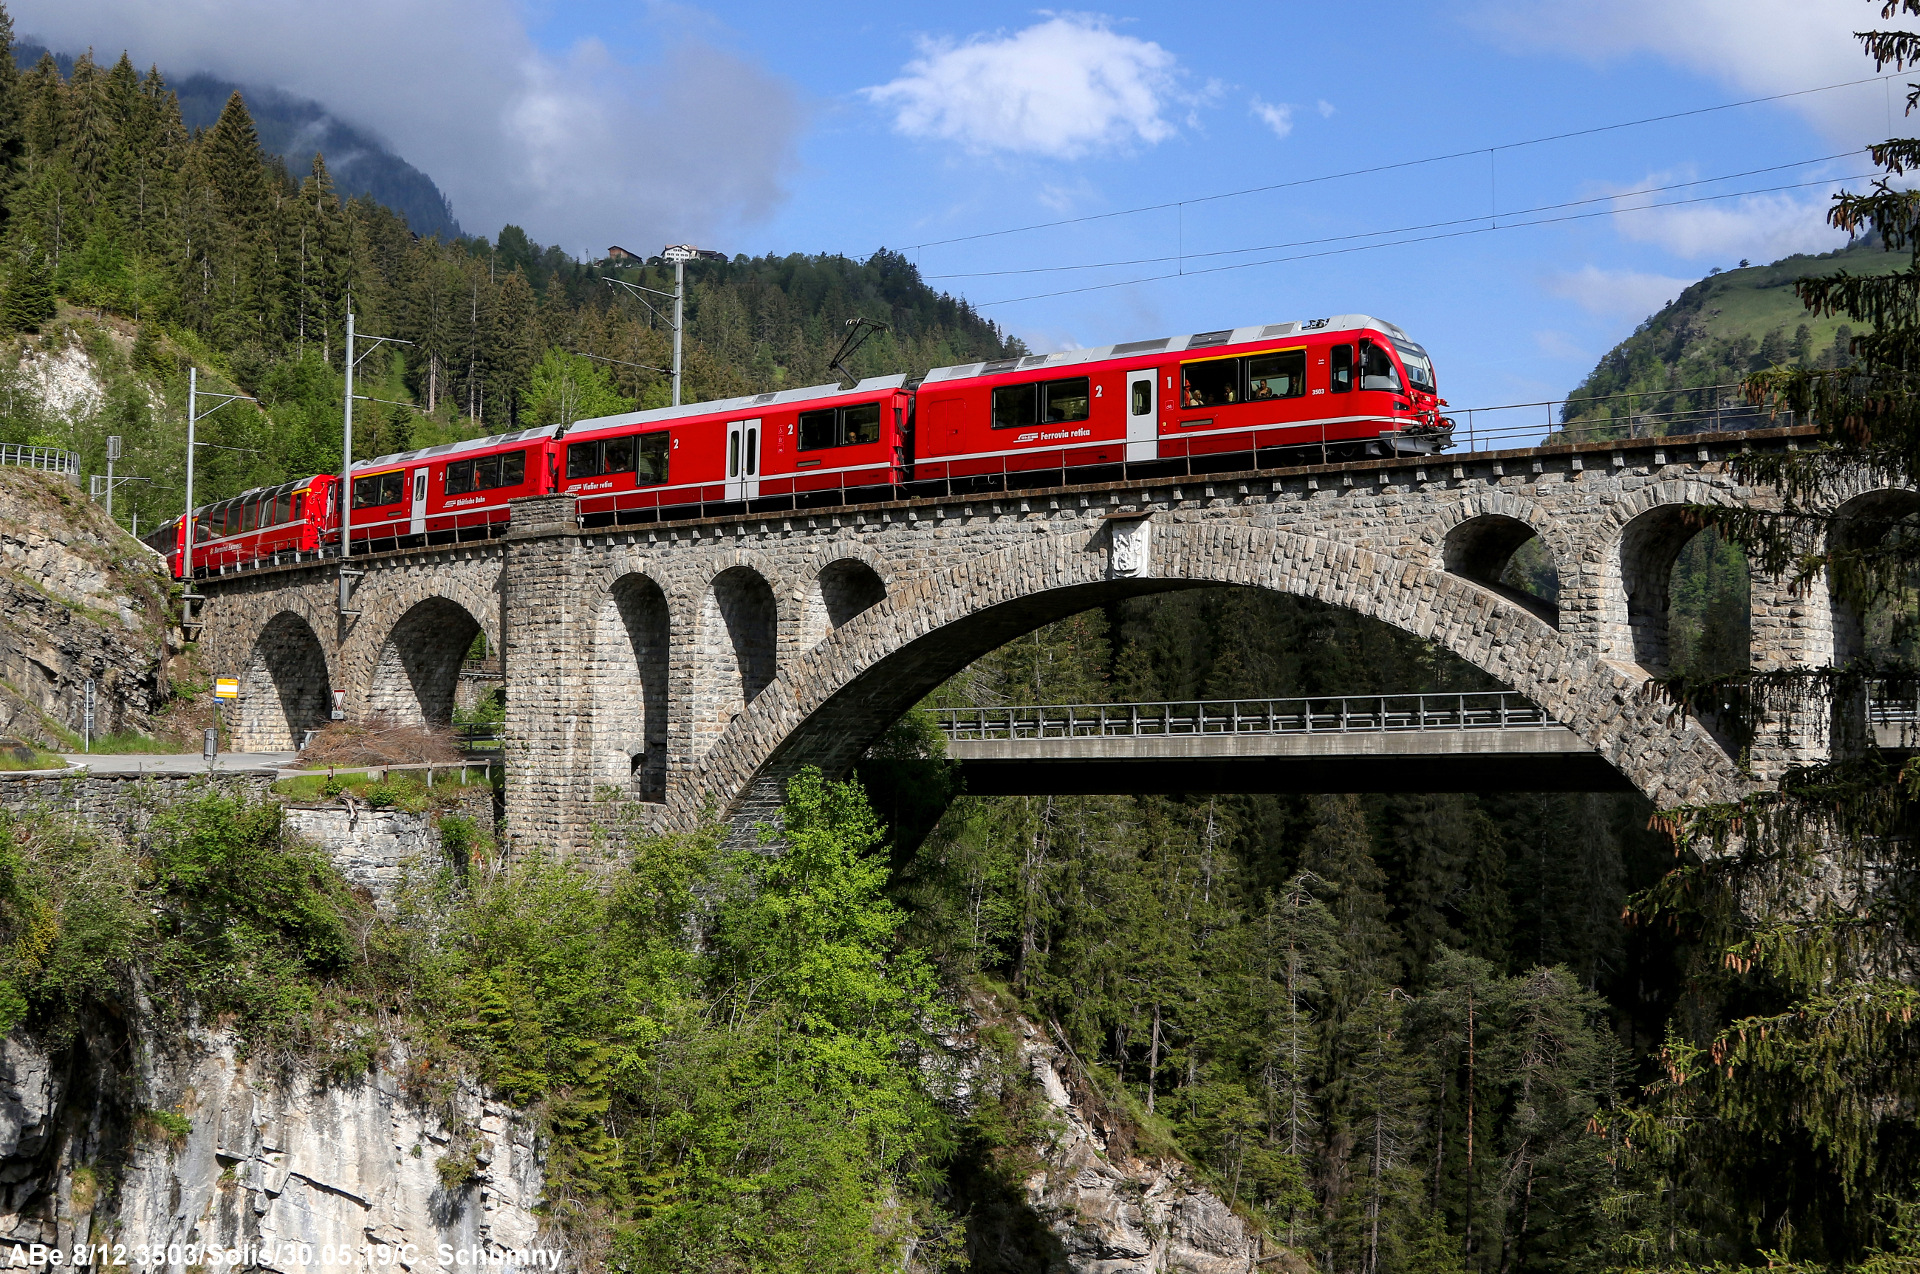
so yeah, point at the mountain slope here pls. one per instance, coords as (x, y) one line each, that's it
(294, 128)
(1716, 332)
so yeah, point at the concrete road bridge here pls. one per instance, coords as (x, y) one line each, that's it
(691, 666)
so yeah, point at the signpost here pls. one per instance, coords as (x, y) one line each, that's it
(225, 690)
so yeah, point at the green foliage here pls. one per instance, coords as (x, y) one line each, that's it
(567, 387)
(1373, 1025)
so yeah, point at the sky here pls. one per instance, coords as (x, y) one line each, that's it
(1079, 174)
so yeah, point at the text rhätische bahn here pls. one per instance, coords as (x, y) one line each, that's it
(1248, 397)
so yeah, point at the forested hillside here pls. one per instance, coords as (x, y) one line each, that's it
(143, 245)
(1717, 332)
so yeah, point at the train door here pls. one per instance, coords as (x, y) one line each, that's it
(417, 525)
(1143, 422)
(743, 459)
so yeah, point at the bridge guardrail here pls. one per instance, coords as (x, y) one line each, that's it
(1320, 714)
(49, 459)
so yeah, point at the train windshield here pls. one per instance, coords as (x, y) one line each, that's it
(1419, 366)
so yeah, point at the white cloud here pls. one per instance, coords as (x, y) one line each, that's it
(1759, 47)
(1278, 118)
(581, 149)
(1616, 293)
(1064, 88)
(1325, 108)
(1763, 227)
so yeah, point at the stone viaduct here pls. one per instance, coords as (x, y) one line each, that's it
(692, 666)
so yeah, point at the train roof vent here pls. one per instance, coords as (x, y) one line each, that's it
(1003, 365)
(764, 398)
(1141, 347)
(1034, 360)
(1278, 329)
(1205, 339)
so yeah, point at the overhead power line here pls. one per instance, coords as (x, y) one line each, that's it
(1431, 225)
(1406, 163)
(1427, 238)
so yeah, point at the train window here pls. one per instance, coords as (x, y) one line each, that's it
(1142, 397)
(283, 507)
(1282, 375)
(486, 472)
(1214, 383)
(1376, 369)
(860, 424)
(379, 489)
(1047, 402)
(1419, 366)
(460, 477)
(1340, 370)
(650, 462)
(818, 429)
(508, 469)
(616, 455)
(513, 468)
(840, 426)
(1016, 406)
(300, 506)
(1067, 400)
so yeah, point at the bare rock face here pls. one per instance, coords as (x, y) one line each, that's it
(79, 599)
(278, 1166)
(1117, 1212)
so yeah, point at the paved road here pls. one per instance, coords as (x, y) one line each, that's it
(181, 762)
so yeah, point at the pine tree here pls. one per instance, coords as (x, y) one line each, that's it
(13, 131)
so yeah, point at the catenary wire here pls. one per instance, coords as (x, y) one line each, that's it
(1405, 163)
(1374, 234)
(1429, 238)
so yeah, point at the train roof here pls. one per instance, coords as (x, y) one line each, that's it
(653, 416)
(1167, 344)
(746, 402)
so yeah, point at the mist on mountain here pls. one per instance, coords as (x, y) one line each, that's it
(294, 128)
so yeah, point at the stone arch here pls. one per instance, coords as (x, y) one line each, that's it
(738, 645)
(1859, 523)
(628, 687)
(417, 670)
(829, 705)
(843, 589)
(1638, 549)
(286, 688)
(1479, 548)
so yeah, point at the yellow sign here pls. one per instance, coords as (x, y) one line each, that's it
(226, 687)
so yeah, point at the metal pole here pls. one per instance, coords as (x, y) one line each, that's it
(679, 297)
(345, 496)
(193, 403)
(113, 454)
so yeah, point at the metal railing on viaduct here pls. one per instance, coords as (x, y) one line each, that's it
(1473, 742)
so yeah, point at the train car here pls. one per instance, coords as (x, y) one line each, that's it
(290, 520)
(458, 490)
(820, 444)
(1340, 387)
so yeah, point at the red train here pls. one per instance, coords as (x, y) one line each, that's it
(1243, 398)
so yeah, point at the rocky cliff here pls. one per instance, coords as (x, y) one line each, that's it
(1107, 1207)
(79, 599)
(120, 1138)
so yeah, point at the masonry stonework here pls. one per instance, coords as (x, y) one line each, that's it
(694, 666)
